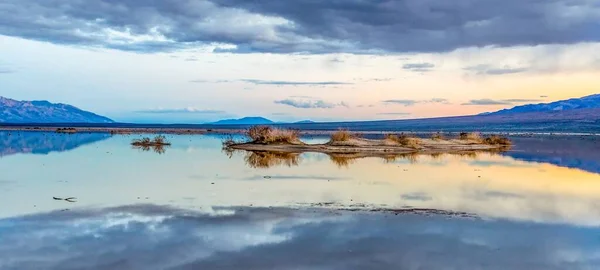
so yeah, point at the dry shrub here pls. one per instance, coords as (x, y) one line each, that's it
(342, 135)
(404, 140)
(269, 135)
(437, 136)
(470, 136)
(497, 140)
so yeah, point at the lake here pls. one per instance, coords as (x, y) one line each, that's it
(194, 206)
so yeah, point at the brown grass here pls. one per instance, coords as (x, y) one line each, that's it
(497, 140)
(404, 140)
(270, 135)
(342, 135)
(470, 136)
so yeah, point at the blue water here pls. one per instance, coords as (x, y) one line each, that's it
(195, 206)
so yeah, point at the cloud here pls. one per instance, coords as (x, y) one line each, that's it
(159, 237)
(394, 113)
(293, 83)
(418, 67)
(411, 102)
(190, 110)
(302, 25)
(310, 103)
(490, 70)
(274, 82)
(521, 100)
(405, 102)
(373, 79)
(487, 101)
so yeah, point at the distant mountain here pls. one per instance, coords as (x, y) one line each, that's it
(244, 121)
(304, 122)
(13, 111)
(587, 102)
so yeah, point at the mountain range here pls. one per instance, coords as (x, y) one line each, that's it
(587, 102)
(14, 111)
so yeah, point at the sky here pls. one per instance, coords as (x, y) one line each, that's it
(195, 61)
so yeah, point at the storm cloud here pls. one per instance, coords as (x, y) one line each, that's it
(353, 26)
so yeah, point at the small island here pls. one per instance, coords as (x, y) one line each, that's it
(266, 138)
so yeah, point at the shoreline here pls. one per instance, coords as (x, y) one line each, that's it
(227, 131)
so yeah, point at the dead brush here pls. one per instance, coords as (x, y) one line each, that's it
(497, 140)
(470, 136)
(270, 135)
(342, 135)
(404, 140)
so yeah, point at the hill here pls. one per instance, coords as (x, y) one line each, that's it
(13, 111)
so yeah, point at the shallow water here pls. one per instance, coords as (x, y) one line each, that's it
(193, 205)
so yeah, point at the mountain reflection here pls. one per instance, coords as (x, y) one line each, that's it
(158, 237)
(580, 152)
(15, 142)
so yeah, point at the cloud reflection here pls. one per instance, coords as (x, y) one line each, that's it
(157, 237)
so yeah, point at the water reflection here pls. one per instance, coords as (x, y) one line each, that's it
(269, 159)
(24, 142)
(266, 159)
(194, 173)
(158, 237)
(159, 149)
(581, 152)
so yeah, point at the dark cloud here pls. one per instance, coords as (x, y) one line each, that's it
(182, 110)
(411, 102)
(157, 237)
(490, 70)
(487, 101)
(353, 26)
(310, 103)
(419, 67)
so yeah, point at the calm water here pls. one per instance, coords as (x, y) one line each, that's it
(194, 206)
